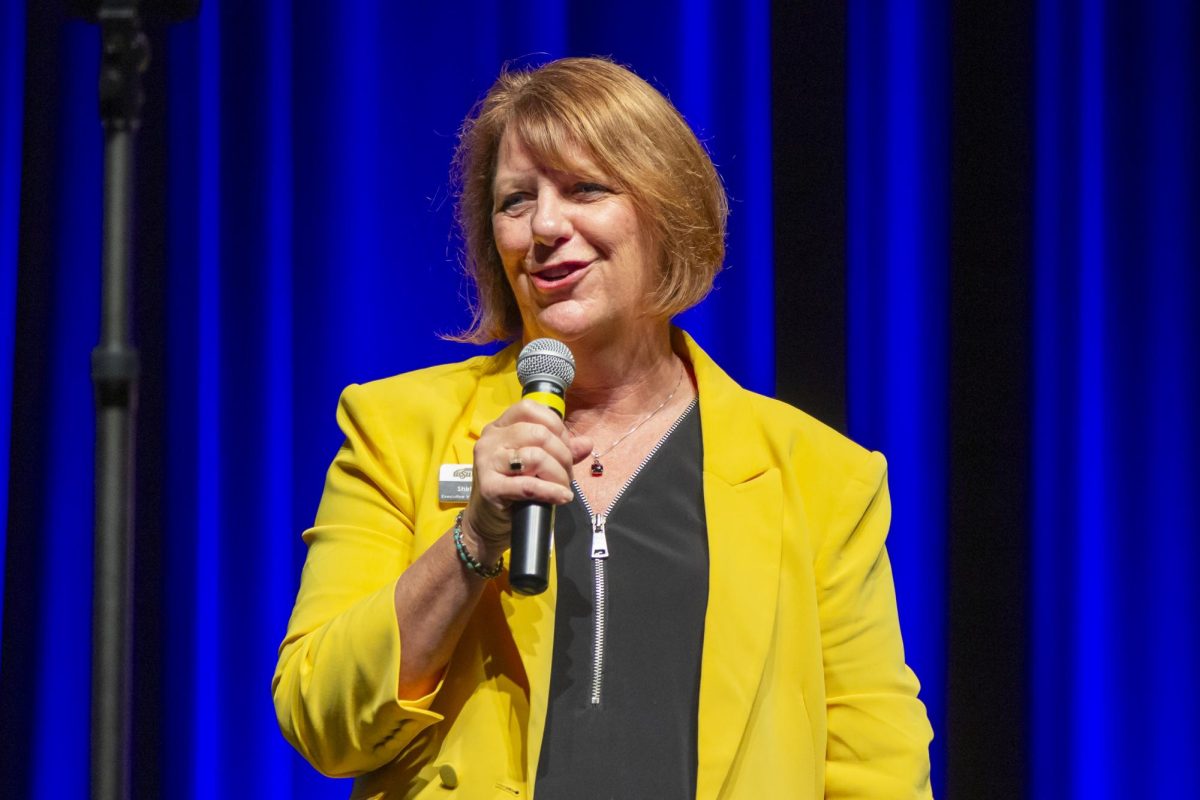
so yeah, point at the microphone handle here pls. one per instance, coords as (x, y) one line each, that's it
(533, 523)
(529, 558)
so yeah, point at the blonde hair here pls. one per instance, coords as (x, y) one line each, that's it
(635, 137)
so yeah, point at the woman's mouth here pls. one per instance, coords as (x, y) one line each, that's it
(558, 276)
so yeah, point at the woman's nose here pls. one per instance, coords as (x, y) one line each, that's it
(550, 220)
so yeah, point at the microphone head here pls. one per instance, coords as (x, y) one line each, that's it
(546, 359)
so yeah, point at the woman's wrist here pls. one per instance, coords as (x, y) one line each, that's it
(486, 528)
(480, 553)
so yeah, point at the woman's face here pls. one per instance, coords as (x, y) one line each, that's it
(573, 248)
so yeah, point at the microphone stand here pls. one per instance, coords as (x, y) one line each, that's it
(125, 53)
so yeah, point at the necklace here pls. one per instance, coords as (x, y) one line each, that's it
(597, 466)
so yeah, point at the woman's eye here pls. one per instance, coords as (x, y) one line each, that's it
(509, 202)
(591, 189)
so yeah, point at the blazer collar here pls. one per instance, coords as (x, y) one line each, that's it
(732, 430)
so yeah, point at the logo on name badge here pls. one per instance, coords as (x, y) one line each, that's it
(454, 483)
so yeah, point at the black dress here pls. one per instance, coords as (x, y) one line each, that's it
(629, 626)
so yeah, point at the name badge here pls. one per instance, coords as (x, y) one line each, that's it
(454, 483)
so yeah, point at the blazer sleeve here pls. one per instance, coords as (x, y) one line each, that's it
(335, 684)
(878, 731)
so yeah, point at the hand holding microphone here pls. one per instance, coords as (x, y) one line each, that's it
(523, 466)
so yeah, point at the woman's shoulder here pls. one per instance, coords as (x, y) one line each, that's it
(832, 472)
(766, 429)
(807, 437)
(435, 386)
(429, 399)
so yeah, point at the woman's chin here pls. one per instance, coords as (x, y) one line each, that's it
(566, 325)
(578, 324)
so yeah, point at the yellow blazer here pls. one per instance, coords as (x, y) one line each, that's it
(804, 692)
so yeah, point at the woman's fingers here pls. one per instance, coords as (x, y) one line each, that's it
(525, 454)
(528, 410)
(535, 443)
(581, 448)
(505, 473)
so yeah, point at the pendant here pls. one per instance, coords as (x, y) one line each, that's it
(597, 468)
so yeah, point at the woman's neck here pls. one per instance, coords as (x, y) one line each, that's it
(622, 378)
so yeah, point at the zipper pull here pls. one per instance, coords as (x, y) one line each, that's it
(599, 540)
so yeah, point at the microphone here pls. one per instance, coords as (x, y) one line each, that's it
(545, 368)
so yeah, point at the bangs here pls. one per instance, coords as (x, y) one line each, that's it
(555, 145)
(563, 137)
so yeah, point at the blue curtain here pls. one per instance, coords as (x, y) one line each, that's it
(1114, 646)
(12, 74)
(1116, 542)
(61, 589)
(308, 246)
(897, 288)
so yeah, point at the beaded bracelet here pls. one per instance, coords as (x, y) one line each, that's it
(468, 559)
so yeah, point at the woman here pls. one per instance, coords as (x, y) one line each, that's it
(736, 634)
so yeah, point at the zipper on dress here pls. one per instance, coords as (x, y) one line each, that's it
(599, 604)
(599, 552)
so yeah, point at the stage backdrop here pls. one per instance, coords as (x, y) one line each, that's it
(295, 236)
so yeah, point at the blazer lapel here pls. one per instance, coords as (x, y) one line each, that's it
(743, 507)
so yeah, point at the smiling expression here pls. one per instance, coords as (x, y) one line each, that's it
(573, 249)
